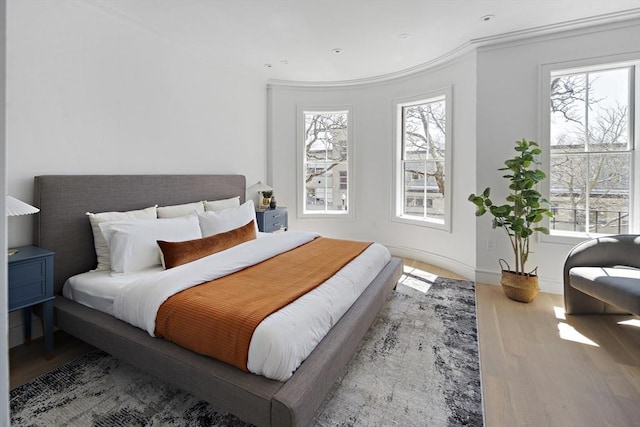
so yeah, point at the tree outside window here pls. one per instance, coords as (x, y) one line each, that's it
(591, 149)
(325, 166)
(423, 137)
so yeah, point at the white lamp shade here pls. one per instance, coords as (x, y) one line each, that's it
(259, 186)
(17, 207)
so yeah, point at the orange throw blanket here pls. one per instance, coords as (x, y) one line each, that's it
(217, 318)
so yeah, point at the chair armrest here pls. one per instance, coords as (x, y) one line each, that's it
(607, 251)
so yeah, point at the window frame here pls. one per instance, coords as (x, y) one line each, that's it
(302, 110)
(397, 207)
(590, 65)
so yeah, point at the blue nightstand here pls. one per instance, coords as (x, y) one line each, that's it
(271, 220)
(30, 284)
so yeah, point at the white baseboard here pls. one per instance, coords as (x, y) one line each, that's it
(16, 336)
(488, 277)
(457, 267)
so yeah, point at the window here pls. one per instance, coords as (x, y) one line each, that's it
(326, 137)
(423, 160)
(592, 149)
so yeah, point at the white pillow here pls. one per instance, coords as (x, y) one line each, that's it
(133, 244)
(219, 205)
(218, 222)
(100, 244)
(180, 210)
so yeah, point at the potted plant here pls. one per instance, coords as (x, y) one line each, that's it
(525, 208)
(266, 198)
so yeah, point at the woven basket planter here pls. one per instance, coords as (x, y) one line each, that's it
(519, 287)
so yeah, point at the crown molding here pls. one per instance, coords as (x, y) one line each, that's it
(616, 19)
(429, 65)
(576, 24)
(625, 17)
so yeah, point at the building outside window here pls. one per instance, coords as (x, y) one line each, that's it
(423, 161)
(592, 147)
(325, 161)
(343, 180)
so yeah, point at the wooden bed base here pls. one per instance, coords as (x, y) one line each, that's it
(63, 228)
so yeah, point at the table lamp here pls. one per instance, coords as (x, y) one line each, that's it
(256, 191)
(17, 207)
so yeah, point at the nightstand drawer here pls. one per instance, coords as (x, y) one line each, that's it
(30, 275)
(26, 271)
(272, 220)
(27, 293)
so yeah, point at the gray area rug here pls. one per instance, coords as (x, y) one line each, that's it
(417, 366)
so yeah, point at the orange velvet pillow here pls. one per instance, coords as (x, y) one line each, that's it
(178, 253)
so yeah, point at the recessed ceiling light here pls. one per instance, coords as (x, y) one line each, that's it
(284, 62)
(404, 36)
(487, 18)
(267, 65)
(337, 51)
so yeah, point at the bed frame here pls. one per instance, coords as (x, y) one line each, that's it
(63, 227)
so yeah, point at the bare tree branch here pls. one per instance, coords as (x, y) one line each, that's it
(321, 173)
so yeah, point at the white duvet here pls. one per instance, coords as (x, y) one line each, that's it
(283, 340)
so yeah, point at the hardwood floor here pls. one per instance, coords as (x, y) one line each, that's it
(27, 361)
(542, 368)
(539, 367)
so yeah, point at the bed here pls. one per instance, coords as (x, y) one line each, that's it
(63, 228)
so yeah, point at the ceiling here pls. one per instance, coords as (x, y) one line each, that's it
(294, 40)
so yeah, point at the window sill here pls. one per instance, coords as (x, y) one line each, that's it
(568, 237)
(327, 215)
(421, 222)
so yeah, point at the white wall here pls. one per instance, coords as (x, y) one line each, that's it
(4, 327)
(508, 85)
(89, 93)
(372, 178)
(495, 102)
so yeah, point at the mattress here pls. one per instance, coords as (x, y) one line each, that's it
(98, 289)
(284, 339)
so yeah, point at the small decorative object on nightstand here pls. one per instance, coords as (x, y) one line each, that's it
(30, 284)
(266, 199)
(258, 189)
(270, 220)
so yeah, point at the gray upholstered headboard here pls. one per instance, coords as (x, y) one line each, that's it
(61, 225)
